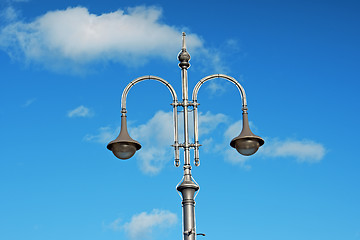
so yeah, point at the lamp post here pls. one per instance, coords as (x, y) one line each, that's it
(124, 147)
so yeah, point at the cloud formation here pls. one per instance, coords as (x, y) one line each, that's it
(29, 102)
(208, 122)
(303, 151)
(9, 14)
(18, 0)
(74, 37)
(104, 135)
(229, 154)
(158, 134)
(80, 111)
(156, 137)
(142, 225)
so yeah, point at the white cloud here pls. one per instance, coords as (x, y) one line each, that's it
(303, 151)
(208, 122)
(155, 136)
(232, 44)
(74, 37)
(230, 154)
(142, 225)
(29, 102)
(233, 130)
(105, 135)
(216, 88)
(233, 157)
(80, 111)
(115, 225)
(9, 14)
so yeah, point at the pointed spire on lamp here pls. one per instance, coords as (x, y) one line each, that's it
(246, 143)
(184, 56)
(123, 147)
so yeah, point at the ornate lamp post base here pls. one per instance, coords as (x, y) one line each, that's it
(188, 188)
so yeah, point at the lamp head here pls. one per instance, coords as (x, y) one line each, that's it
(246, 143)
(123, 147)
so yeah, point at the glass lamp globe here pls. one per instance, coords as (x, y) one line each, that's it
(247, 147)
(123, 150)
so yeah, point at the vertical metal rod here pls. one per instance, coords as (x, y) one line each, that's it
(176, 136)
(188, 187)
(196, 136)
(186, 113)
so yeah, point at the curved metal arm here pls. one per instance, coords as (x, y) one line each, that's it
(195, 104)
(140, 79)
(231, 79)
(175, 104)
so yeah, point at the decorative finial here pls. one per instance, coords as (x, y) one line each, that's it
(183, 40)
(184, 56)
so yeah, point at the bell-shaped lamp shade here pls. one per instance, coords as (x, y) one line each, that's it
(123, 147)
(246, 143)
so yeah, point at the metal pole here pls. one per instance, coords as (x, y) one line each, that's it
(246, 143)
(188, 187)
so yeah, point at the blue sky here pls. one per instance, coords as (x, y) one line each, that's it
(64, 65)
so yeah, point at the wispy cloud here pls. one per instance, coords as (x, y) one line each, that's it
(217, 88)
(29, 102)
(156, 136)
(80, 111)
(141, 225)
(104, 135)
(18, 0)
(229, 154)
(74, 37)
(302, 150)
(9, 14)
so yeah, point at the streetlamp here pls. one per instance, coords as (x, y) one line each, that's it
(247, 143)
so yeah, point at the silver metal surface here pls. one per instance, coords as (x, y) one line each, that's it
(140, 79)
(175, 104)
(188, 187)
(196, 137)
(231, 79)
